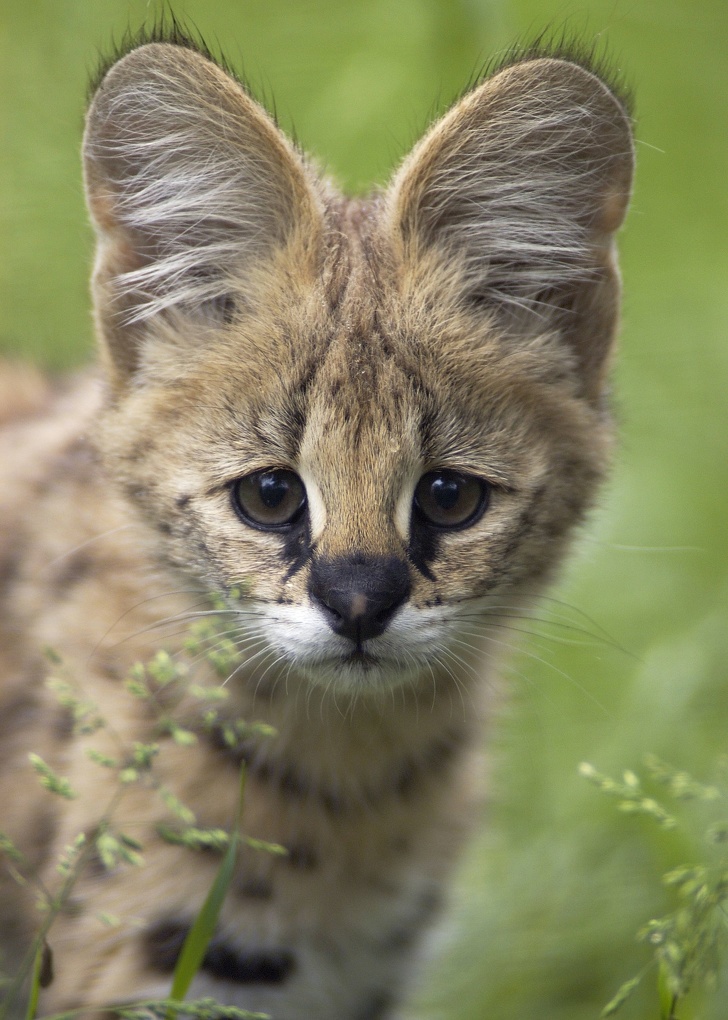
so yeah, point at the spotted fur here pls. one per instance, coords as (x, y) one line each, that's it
(251, 318)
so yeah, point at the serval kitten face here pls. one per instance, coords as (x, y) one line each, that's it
(371, 423)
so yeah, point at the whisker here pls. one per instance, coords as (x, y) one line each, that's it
(452, 675)
(585, 616)
(551, 666)
(258, 655)
(186, 616)
(132, 609)
(537, 635)
(84, 545)
(518, 612)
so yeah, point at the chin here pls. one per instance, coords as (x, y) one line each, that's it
(360, 673)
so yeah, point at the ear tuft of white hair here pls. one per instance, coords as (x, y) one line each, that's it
(524, 181)
(188, 181)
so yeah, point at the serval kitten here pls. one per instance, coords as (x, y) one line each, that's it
(359, 430)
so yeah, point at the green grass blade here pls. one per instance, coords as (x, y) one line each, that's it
(668, 999)
(626, 990)
(35, 980)
(35, 984)
(201, 932)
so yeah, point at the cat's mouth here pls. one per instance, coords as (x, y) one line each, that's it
(354, 669)
(297, 635)
(361, 659)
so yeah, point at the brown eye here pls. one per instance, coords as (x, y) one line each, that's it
(272, 498)
(449, 499)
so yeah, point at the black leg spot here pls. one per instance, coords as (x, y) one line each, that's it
(255, 887)
(405, 935)
(163, 943)
(301, 857)
(248, 967)
(224, 960)
(45, 975)
(72, 570)
(376, 1006)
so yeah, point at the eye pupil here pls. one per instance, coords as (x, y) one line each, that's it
(445, 492)
(450, 499)
(269, 499)
(273, 490)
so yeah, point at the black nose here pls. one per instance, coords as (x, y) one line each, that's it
(359, 595)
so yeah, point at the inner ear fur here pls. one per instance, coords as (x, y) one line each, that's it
(521, 186)
(188, 182)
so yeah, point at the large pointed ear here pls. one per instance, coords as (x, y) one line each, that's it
(189, 183)
(522, 186)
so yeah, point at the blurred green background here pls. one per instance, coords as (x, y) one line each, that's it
(552, 893)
